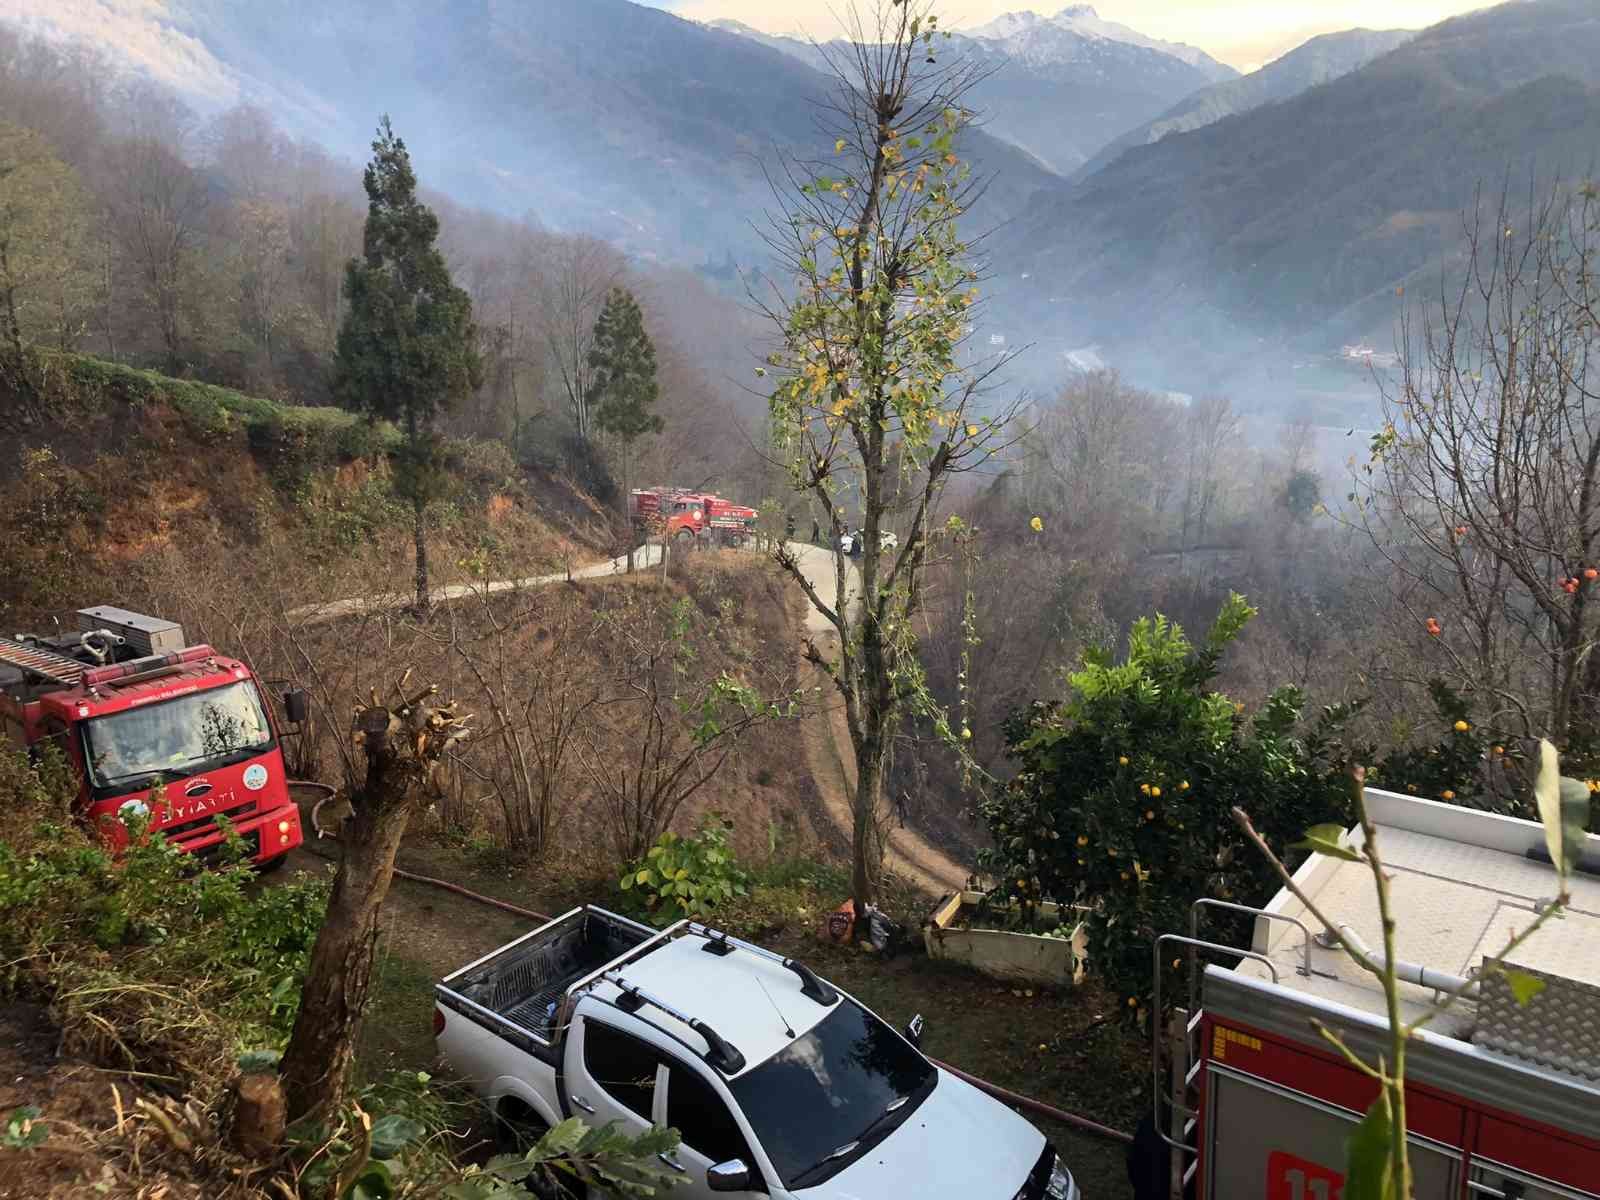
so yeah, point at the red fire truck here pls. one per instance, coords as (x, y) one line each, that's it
(1503, 1100)
(128, 705)
(691, 518)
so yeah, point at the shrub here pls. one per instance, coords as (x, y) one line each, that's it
(686, 877)
(147, 961)
(1124, 790)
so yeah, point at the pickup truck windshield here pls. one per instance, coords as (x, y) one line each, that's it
(178, 736)
(826, 1099)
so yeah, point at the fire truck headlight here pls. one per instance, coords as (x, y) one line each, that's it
(283, 827)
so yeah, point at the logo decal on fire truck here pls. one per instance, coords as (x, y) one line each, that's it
(255, 777)
(1222, 1038)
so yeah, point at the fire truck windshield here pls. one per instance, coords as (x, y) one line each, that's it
(178, 736)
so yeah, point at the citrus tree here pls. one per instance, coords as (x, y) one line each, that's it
(1122, 798)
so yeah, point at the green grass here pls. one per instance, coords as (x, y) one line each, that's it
(397, 1030)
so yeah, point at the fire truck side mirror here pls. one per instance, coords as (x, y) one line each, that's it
(296, 705)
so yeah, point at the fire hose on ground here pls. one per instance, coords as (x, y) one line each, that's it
(1004, 1095)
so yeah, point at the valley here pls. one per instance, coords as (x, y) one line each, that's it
(964, 500)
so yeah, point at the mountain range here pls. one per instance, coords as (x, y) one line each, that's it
(1221, 214)
(1060, 87)
(1316, 62)
(1302, 219)
(595, 115)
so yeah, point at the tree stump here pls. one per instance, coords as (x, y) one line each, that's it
(259, 1116)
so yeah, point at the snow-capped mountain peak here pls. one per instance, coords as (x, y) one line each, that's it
(1038, 38)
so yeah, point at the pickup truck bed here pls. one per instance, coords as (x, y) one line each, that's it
(524, 983)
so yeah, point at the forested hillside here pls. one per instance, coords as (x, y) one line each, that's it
(1316, 62)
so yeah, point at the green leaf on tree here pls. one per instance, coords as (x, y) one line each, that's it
(1368, 1171)
(1524, 987)
(563, 1139)
(1326, 839)
(1563, 810)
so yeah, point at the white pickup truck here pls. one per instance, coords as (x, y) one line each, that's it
(779, 1084)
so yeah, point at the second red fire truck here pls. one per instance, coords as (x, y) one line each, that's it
(689, 518)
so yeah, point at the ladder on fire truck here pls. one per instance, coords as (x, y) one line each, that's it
(1178, 1128)
(42, 663)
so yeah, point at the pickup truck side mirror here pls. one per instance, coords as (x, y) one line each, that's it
(730, 1176)
(296, 705)
(914, 1031)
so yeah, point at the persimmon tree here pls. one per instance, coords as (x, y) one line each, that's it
(876, 407)
(1482, 494)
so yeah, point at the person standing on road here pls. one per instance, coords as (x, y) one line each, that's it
(816, 532)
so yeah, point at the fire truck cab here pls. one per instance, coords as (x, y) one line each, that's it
(1503, 1100)
(130, 706)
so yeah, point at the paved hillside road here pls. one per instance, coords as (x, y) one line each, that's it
(332, 610)
(820, 566)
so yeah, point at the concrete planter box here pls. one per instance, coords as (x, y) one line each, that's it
(1009, 956)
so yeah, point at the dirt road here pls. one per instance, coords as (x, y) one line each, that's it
(827, 739)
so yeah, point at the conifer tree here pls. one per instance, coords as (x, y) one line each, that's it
(623, 360)
(407, 348)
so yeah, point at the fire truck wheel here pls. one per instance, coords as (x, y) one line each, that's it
(684, 538)
(271, 865)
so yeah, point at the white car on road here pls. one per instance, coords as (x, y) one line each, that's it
(781, 1086)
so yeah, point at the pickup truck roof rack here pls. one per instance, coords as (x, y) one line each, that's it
(720, 942)
(720, 1053)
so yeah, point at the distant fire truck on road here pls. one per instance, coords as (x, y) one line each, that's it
(690, 519)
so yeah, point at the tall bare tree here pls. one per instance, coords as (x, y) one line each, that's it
(158, 213)
(580, 271)
(874, 405)
(1482, 498)
(45, 274)
(1213, 427)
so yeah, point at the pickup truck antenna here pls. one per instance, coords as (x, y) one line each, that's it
(720, 1053)
(812, 986)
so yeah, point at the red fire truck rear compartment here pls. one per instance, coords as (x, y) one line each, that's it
(1502, 1100)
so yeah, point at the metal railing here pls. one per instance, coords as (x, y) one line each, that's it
(1194, 1019)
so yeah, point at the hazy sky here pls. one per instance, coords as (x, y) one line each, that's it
(1245, 33)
